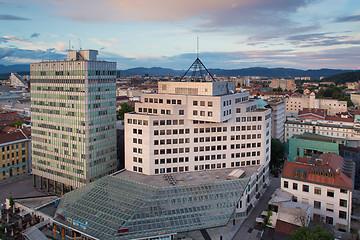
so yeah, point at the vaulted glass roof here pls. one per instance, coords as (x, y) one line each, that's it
(119, 208)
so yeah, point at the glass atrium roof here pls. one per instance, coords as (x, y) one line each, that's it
(118, 208)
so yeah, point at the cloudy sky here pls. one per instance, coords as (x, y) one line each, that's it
(304, 34)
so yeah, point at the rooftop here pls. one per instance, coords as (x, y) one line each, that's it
(114, 207)
(325, 172)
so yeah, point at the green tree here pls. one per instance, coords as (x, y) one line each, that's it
(125, 108)
(277, 153)
(305, 233)
(267, 220)
(17, 123)
(11, 201)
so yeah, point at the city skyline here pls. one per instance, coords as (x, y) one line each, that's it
(233, 34)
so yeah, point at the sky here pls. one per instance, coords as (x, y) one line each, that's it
(303, 34)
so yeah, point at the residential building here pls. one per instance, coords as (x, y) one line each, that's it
(15, 151)
(73, 105)
(297, 103)
(309, 144)
(287, 215)
(324, 186)
(277, 119)
(284, 84)
(355, 98)
(18, 81)
(316, 121)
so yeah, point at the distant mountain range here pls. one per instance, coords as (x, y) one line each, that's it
(158, 71)
(254, 71)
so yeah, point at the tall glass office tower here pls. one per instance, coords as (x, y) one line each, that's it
(73, 114)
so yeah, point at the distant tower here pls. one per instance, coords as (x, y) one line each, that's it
(73, 120)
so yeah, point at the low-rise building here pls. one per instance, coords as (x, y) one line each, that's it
(284, 84)
(324, 186)
(15, 151)
(316, 121)
(297, 103)
(309, 144)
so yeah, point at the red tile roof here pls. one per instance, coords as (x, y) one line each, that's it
(320, 112)
(11, 137)
(339, 119)
(9, 116)
(331, 164)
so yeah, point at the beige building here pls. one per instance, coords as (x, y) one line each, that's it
(73, 105)
(200, 126)
(296, 103)
(284, 84)
(355, 98)
(191, 126)
(277, 118)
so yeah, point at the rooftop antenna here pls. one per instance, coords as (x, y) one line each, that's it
(69, 46)
(197, 50)
(79, 44)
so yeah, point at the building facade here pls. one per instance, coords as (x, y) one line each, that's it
(324, 187)
(284, 84)
(346, 128)
(296, 103)
(277, 119)
(194, 126)
(15, 152)
(73, 105)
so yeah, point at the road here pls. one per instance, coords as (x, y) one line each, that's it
(243, 232)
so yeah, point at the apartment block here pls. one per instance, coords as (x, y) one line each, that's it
(277, 119)
(324, 186)
(73, 105)
(319, 123)
(296, 103)
(15, 151)
(284, 84)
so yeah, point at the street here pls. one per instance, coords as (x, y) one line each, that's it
(245, 231)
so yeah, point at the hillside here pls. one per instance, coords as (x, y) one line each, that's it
(343, 77)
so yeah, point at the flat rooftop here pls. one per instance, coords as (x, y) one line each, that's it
(185, 178)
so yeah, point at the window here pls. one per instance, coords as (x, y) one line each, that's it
(343, 203)
(329, 220)
(194, 112)
(195, 103)
(181, 112)
(342, 214)
(317, 204)
(210, 104)
(330, 207)
(343, 190)
(295, 186)
(317, 190)
(330, 193)
(305, 188)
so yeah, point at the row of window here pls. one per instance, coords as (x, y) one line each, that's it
(170, 151)
(8, 147)
(172, 141)
(160, 100)
(209, 166)
(245, 163)
(168, 122)
(202, 103)
(245, 154)
(172, 160)
(209, 157)
(317, 190)
(202, 113)
(174, 170)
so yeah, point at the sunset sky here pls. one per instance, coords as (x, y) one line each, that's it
(304, 34)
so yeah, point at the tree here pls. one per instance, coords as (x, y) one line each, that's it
(277, 153)
(305, 233)
(17, 123)
(124, 108)
(267, 220)
(11, 201)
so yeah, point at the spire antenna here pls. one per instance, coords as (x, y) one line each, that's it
(197, 49)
